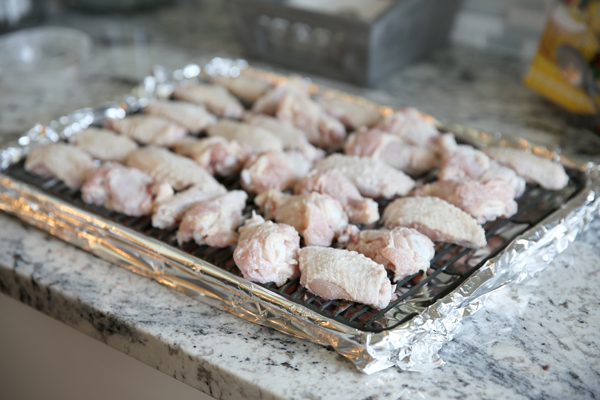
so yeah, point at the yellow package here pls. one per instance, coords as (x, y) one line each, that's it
(566, 66)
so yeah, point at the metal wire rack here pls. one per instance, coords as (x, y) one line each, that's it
(451, 265)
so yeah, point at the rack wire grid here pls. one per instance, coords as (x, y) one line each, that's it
(451, 265)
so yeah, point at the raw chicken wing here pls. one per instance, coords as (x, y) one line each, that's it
(404, 251)
(168, 213)
(465, 163)
(336, 185)
(342, 274)
(317, 217)
(161, 164)
(485, 201)
(506, 174)
(548, 174)
(218, 155)
(391, 150)
(215, 98)
(291, 137)
(58, 160)
(269, 102)
(443, 144)
(305, 114)
(213, 222)
(125, 190)
(350, 113)
(191, 116)
(267, 252)
(373, 178)
(147, 129)
(244, 87)
(273, 170)
(411, 126)
(103, 144)
(437, 219)
(252, 138)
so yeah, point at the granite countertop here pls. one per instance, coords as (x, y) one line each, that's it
(535, 340)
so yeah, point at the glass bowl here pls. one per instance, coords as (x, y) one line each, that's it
(42, 56)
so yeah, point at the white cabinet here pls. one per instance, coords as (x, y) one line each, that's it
(41, 358)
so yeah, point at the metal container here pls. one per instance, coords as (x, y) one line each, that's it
(107, 6)
(355, 41)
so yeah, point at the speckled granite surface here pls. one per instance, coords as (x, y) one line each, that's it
(536, 340)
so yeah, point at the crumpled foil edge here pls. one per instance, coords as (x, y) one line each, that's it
(412, 346)
(415, 345)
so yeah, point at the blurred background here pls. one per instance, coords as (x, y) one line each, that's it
(462, 61)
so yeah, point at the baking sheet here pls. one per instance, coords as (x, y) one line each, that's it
(412, 345)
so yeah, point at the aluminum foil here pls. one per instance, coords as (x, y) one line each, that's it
(412, 346)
